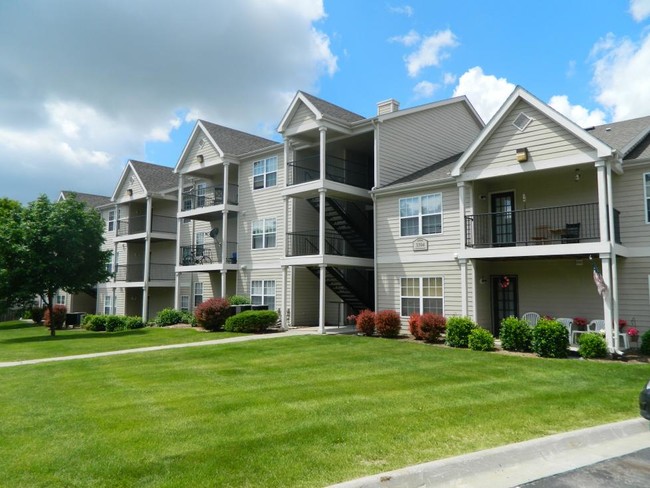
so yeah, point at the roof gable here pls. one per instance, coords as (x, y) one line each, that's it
(145, 178)
(321, 109)
(89, 199)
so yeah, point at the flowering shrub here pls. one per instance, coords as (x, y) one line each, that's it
(430, 326)
(387, 323)
(414, 326)
(351, 319)
(515, 334)
(622, 323)
(458, 331)
(366, 322)
(579, 321)
(212, 313)
(480, 340)
(633, 332)
(58, 316)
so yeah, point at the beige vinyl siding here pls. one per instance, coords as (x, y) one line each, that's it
(629, 199)
(159, 299)
(415, 141)
(208, 151)
(132, 182)
(305, 302)
(633, 291)
(301, 117)
(544, 139)
(163, 252)
(389, 243)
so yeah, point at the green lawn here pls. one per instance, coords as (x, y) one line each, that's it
(22, 340)
(295, 411)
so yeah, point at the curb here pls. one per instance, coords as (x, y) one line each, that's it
(522, 462)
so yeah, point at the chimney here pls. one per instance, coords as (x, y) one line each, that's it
(387, 106)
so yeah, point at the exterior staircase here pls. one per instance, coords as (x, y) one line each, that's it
(355, 287)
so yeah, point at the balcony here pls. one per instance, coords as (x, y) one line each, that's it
(135, 272)
(209, 253)
(567, 224)
(208, 197)
(138, 225)
(336, 169)
(305, 243)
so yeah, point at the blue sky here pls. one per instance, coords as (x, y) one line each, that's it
(85, 86)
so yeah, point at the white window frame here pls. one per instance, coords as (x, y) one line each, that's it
(259, 228)
(185, 303)
(198, 292)
(110, 221)
(646, 194)
(108, 305)
(420, 296)
(263, 298)
(420, 214)
(60, 298)
(265, 170)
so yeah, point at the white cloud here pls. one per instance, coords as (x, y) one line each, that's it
(640, 9)
(88, 83)
(621, 74)
(577, 113)
(432, 50)
(485, 92)
(449, 78)
(404, 10)
(424, 89)
(408, 40)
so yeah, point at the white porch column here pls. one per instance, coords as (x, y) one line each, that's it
(224, 238)
(463, 286)
(283, 310)
(475, 280)
(177, 280)
(285, 223)
(323, 154)
(147, 260)
(602, 200)
(287, 152)
(321, 221)
(461, 212)
(607, 301)
(612, 242)
(224, 273)
(321, 299)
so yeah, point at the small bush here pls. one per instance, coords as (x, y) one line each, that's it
(134, 322)
(550, 339)
(37, 314)
(515, 334)
(212, 314)
(58, 316)
(458, 331)
(94, 323)
(414, 323)
(114, 323)
(481, 340)
(169, 316)
(644, 348)
(431, 326)
(592, 346)
(388, 323)
(239, 300)
(251, 321)
(366, 322)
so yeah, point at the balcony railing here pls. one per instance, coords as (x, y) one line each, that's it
(336, 169)
(207, 197)
(138, 225)
(208, 253)
(135, 272)
(160, 271)
(305, 243)
(553, 225)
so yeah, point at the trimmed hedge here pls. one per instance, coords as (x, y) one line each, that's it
(481, 340)
(458, 331)
(388, 323)
(170, 316)
(414, 326)
(431, 326)
(550, 339)
(212, 314)
(111, 323)
(515, 334)
(592, 346)
(366, 322)
(251, 321)
(239, 300)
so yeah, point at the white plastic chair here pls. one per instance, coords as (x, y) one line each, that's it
(531, 317)
(568, 323)
(599, 325)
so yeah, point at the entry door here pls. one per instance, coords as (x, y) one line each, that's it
(505, 299)
(503, 219)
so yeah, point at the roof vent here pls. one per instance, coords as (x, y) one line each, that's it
(201, 142)
(387, 106)
(522, 121)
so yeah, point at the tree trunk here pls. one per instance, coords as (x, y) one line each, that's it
(50, 307)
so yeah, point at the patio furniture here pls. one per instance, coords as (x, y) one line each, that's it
(596, 326)
(531, 317)
(571, 233)
(568, 323)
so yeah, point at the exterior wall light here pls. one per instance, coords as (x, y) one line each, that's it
(522, 155)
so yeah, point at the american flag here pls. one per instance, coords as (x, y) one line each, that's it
(600, 283)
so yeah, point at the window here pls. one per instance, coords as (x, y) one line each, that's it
(421, 295)
(111, 266)
(200, 194)
(265, 173)
(108, 305)
(111, 220)
(646, 188)
(264, 233)
(421, 215)
(198, 294)
(185, 303)
(200, 243)
(60, 299)
(263, 293)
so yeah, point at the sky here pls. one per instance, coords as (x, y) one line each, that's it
(86, 86)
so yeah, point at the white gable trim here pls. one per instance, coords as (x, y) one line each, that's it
(602, 149)
(293, 107)
(122, 179)
(192, 139)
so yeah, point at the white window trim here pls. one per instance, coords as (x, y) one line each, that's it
(645, 199)
(264, 282)
(197, 284)
(264, 234)
(110, 222)
(265, 173)
(421, 296)
(108, 303)
(186, 299)
(419, 216)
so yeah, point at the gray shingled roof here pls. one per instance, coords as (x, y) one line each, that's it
(235, 142)
(327, 108)
(89, 199)
(437, 171)
(619, 134)
(155, 178)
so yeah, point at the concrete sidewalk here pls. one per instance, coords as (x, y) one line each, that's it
(253, 337)
(515, 464)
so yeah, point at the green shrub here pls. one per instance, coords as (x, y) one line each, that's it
(388, 323)
(550, 339)
(515, 334)
(458, 331)
(212, 314)
(366, 322)
(169, 316)
(58, 316)
(481, 340)
(414, 326)
(592, 346)
(114, 323)
(251, 321)
(431, 326)
(94, 323)
(133, 323)
(644, 348)
(239, 300)
(37, 314)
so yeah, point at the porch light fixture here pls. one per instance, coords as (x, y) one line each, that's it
(129, 192)
(522, 155)
(199, 158)
(577, 175)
